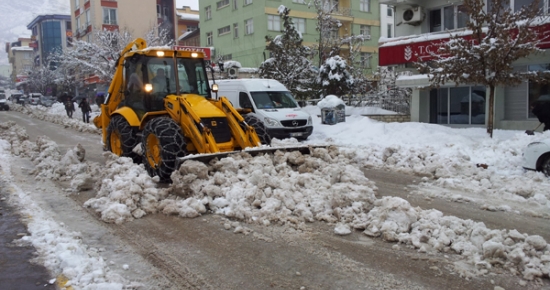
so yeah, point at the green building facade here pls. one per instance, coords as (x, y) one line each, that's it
(236, 29)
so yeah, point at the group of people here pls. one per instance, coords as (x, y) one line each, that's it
(83, 105)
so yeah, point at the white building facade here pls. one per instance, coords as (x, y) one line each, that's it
(420, 26)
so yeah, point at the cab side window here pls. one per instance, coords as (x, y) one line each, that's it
(244, 101)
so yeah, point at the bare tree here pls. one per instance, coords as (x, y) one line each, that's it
(498, 39)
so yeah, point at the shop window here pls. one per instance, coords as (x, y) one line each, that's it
(458, 105)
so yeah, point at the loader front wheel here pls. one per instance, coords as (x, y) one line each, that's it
(122, 138)
(259, 127)
(162, 144)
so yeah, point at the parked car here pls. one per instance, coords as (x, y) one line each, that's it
(4, 103)
(34, 98)
(536, 156)
(46, 101)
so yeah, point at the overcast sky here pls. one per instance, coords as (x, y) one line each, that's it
(194, 4)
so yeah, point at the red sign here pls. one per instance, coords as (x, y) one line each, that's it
(205, 50)
(33, 44)
(21, 78)
(412, 50)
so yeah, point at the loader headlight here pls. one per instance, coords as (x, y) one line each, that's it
(148, 88)
(272, 122)
(309, 121)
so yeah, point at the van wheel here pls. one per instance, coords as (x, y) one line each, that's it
(546, 166)
(162, 144)
(122, 138)
(259, 127)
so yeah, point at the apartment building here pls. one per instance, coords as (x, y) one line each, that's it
(236, 29)
(138, 17)
(20, 56)
(188, 22)
(420, 27)
(49, 34)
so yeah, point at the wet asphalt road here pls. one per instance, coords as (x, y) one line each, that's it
(16, 270)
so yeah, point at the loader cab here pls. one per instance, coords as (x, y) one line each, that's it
(149, 79)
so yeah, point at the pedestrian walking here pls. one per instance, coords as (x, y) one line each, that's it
(85, 107)
(69, 108)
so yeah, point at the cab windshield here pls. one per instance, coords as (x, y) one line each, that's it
(273, 100)
(166, 76)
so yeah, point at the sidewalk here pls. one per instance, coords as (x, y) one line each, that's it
(16, 270)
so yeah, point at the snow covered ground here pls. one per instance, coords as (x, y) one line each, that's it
(326, 186)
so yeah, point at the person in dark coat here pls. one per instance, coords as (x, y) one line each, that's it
(69, 105)
(85, 107)
(541, 109)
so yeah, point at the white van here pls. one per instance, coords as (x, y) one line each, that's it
(271, 103)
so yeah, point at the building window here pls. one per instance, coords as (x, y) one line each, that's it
(235, 30)
(458, 105)
(235, 5)
(390, 11)
(209, 40)
(538, 90)
(88, 18)
(300, 24)
(364, 30)
(192, 28)
(222, 4)
(76, 4)
(224, 30)
(109, 16)
(78, 27)
(247, 2)
(208, 11)
(274, 22)
(366, 59)
(299, 1)
(248, 26)
(164, 10)
(364, 5)
(159, 14)
(448, 18)
(390, 28)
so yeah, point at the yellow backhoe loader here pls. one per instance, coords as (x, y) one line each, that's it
(160, 97)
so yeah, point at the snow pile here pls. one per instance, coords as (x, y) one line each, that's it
(56, 114)
(483, 249)
(126, 191)
(487, 171)
(17, 137)
(286, 187)
(331, 101)
(49, 163)
(59, 250)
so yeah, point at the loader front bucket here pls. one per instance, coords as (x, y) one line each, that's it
(205, 158)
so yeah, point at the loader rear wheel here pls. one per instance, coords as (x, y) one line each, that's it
(122, 138)
(259, 126)
(162, 143)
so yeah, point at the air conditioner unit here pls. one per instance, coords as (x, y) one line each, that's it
(233, 72)
(413, 15)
